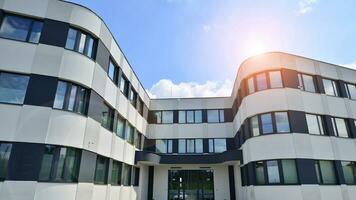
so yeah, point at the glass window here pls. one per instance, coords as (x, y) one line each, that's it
(14, 27)
(211, 145)
(181, 146)
(158, 116)
(314, 123)
(169, 146)
(219, 145)
(167, 117)
(340, 127)
(351, 91)
(133, 97)
(35, 32)
(198, 116)
(130, 134)
(113, 72)
(161, 146)
(137, 140)
(198, 145)
(13, 88)
(330, 87)
(126, 175)
(107, 117)
(181, 115)
(124, 85)
(255, 126)
(101, 170)
(275, 78)
(273, 171)
(213, 116)
(60, 164)
(289, 172)
(120, 128)
(71, 39)
(190, 146)
(259, 171)
(89, 49)
(82, 43)
(261, 81)
(325, 171)
(190, 116)
(251, 85)
(140, 106)
(5, 151)
(349, 169)
(282, 122)
(116, 173)
(266, 120)
(221, 116)
(306, 82)
(71, 97)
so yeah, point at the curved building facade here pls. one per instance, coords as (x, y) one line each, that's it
(77, 124)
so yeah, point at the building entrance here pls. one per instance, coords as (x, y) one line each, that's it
(190, 185)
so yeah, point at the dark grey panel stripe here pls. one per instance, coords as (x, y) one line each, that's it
(54, 33)
(232, 182)
(235, 155)
(41, 90)
(150, 183)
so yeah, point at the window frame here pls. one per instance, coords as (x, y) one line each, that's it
(25, 94)
(78, 39)
(347, 88)
(321, 124)
(336, 128)
(353, 169)
(115, 78)
(30, 29)
(334, 85)
(301, 82)
(319, 173)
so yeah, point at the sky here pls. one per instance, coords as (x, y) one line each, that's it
(193, 48)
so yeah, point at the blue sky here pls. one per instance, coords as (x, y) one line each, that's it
(196, 46)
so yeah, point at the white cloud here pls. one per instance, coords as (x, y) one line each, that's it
(165, 88)
(206, 28)
(306, 6)
(350, 65)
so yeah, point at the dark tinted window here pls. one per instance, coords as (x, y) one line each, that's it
(60, 164)
(5, 151)
(101, 170)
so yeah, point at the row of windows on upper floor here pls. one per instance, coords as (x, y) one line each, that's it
(285, 172)
(29, 30)
(273, 79)
(62, 164)
(278, 122)
(188, 116)
(190, 146)
(70, 97)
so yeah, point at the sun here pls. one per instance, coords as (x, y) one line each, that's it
(255, 46)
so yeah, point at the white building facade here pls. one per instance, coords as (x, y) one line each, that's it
(76, 123)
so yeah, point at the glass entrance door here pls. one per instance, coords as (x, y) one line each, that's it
(190, 185)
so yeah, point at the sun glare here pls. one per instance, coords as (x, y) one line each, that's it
(255, 46)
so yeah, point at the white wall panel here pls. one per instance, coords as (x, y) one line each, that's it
(85, 18)
(59, 10)
(99, 192)
(85, 191)
(56, 191)
(77, 67)
(18, 190)
(33, 124)
(9, 115)
(104, 142)
(100, 79)
(278, 192)
(91, 136)
(66, 128)
(34, 7)
(47, 60)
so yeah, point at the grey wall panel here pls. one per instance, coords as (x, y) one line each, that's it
(290, 78)
(95, 107)
(150, 182)
(25, 161)
(306, 171)
(102, 56)
(298, 122)
(232, 182)
(328, 125)
(54, 33)
(87, 167)
(41, 90)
